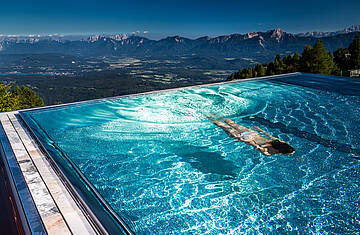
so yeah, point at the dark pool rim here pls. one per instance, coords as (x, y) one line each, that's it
(92, 215)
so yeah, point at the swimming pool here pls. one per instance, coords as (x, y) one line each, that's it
(163, 167)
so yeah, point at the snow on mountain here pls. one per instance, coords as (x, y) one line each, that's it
(95, 38)
(251, 35)
(119, 37)
(261, 39)
(352, 29)
(32, 38)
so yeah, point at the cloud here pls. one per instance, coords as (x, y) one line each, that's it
(145, 32)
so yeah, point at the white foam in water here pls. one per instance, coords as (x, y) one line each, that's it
(183, 107)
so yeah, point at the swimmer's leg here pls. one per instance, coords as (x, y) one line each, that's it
(233, 133)
(231, 123)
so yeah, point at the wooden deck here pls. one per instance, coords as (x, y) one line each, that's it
(56, 207)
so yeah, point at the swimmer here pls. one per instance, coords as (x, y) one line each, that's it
(240, 133)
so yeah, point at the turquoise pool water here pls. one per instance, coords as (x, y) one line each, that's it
(164, 168)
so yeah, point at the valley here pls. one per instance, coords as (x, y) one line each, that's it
(61, 78)
(68, 69)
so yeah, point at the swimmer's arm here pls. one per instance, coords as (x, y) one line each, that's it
(261, 149)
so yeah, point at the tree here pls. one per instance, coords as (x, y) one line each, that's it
(306, 58)
(7, 101)
(323, 62)
(296, 60)
(259, 70)
(278, 65)
(354, 50)
(340, 58)
(333, 67)
(18, 98)
(27, 97)
(296, 57)
(317, 60)
(270, 69)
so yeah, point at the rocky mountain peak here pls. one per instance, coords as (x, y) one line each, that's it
(277, 33)
(175, 38)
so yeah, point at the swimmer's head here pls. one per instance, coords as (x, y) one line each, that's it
(282, 147)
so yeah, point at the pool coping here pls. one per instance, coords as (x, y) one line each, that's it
(25, 207)
(43, 200)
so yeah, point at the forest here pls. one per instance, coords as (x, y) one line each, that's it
(314, 59)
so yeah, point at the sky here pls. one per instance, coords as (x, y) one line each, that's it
(159, 18)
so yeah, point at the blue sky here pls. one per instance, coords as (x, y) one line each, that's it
(181, 17)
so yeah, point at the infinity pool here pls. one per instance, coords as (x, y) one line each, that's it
(163, 167)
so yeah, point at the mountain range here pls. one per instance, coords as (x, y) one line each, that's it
(352, 29)
(258, 46)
